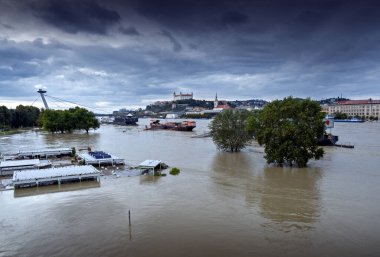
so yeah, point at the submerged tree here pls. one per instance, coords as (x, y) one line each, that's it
(84, 119)
(290, 130)
(229, 130)
(69, 120)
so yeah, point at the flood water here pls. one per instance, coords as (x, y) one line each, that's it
(221, 204)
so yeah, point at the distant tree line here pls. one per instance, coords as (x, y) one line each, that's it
(51, 120)
(22, 116)
(68, 120)
(159, 108)
(198, 116)
(196, 103)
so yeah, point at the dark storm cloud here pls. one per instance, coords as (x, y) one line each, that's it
(130, 31)
(234, 18)
(76, 16)
(7, 26)
(19, 60)
(176, 45)
(267, 49)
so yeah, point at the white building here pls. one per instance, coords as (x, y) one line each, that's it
(171, 116)
(363, 108)
(182, 96)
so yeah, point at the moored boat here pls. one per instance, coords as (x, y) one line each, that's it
(126, 120)
(179, 126)
(354, 120)
(328, 140)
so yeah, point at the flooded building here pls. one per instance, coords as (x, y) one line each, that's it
(9, 167)
(32, 178)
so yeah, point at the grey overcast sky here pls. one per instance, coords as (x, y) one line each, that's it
(126, 54)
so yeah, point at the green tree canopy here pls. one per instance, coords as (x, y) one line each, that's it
(229, 130)
(290, 130)
(69, 120)
(22, 116)
(84, 119)
(5, 117)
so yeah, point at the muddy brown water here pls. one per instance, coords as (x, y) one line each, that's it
(221, 204)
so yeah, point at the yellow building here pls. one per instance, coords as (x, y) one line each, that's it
(362, 108)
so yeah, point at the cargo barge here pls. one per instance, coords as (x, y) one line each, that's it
(179, 126)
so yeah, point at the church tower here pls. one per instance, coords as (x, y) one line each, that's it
(216, 102)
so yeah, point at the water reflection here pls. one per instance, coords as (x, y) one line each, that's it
(234, 175)
(71, 139)
(288, 197)
(22, 192)
(291, 196)
(232, 164)
(149, 179)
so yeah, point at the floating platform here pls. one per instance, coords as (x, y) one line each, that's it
(345, 145)
(9, 167)
(32, 178)
(100, 157)
(38, 153)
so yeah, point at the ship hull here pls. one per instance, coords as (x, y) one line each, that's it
(177, 126)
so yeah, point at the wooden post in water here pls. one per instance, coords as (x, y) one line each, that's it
(130, 226)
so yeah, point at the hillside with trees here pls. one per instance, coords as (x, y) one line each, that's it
(181, 105)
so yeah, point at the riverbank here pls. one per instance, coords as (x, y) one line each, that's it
(9, 132)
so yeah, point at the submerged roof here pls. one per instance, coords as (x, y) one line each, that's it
(17, 163)
(65, 149)
(149, 164)
(51, 151)
(88, 157)
(54, 172)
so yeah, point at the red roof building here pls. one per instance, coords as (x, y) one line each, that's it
(360, 108)
(221, 105)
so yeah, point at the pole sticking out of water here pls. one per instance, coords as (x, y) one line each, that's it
(130, 226)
